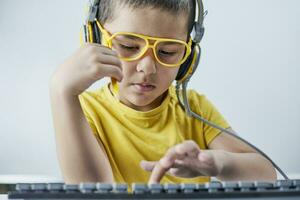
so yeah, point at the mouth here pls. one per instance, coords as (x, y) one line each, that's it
(144, 87)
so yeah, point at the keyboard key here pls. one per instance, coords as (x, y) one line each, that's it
(39, 187)
(139, 188)
(230, 186)
(202, 187)
(87, 187)
(55, 187)
(155, 188)
(214, 186)
(71, 188)
(188, 187)
(104, 187)
(171, 188)
(246, 186)
(296, 183)
(120, 187)
(23, 187)
(259, 185)
(283, 184)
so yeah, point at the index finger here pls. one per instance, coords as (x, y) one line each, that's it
(163, 165)
(157, 173)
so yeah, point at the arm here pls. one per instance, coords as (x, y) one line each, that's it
(81, 157)
(241, 162)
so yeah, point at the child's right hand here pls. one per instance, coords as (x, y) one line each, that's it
(89, 63)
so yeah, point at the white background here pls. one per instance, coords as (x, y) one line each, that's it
(250, 70)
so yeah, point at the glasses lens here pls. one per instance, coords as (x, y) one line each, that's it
(128, 46)
(170, 52)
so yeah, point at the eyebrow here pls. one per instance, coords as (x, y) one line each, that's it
(131, 37)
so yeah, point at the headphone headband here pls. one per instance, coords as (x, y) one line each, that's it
(93, 11)
(198, 25)
(198, 28)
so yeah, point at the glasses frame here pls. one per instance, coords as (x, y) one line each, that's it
(108, 42)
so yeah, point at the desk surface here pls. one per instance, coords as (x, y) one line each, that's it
(35, 178)
(26, 178)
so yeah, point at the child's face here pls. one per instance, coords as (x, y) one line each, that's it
(145, 80)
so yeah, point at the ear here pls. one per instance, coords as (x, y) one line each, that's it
(184, 68)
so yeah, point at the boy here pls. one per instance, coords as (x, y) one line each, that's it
(140, 133)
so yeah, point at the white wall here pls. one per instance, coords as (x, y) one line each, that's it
(249, 70)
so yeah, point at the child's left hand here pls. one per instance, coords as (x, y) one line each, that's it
(185, 160)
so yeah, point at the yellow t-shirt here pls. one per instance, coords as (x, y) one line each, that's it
(129, 136)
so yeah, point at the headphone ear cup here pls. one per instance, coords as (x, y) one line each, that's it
(96, 33)
(184, 67)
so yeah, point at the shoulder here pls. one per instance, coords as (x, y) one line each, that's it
(94, 96)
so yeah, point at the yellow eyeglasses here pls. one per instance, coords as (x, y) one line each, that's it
(132, 46)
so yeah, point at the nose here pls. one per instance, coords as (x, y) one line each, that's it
(147, 63)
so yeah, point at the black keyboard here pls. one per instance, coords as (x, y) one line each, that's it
(281, 189)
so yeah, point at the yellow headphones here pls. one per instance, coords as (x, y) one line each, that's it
(91, 33)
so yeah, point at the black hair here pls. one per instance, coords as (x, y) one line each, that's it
(107, 8)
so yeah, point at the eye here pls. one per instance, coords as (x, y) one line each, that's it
(131, 48)
(166, 53)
